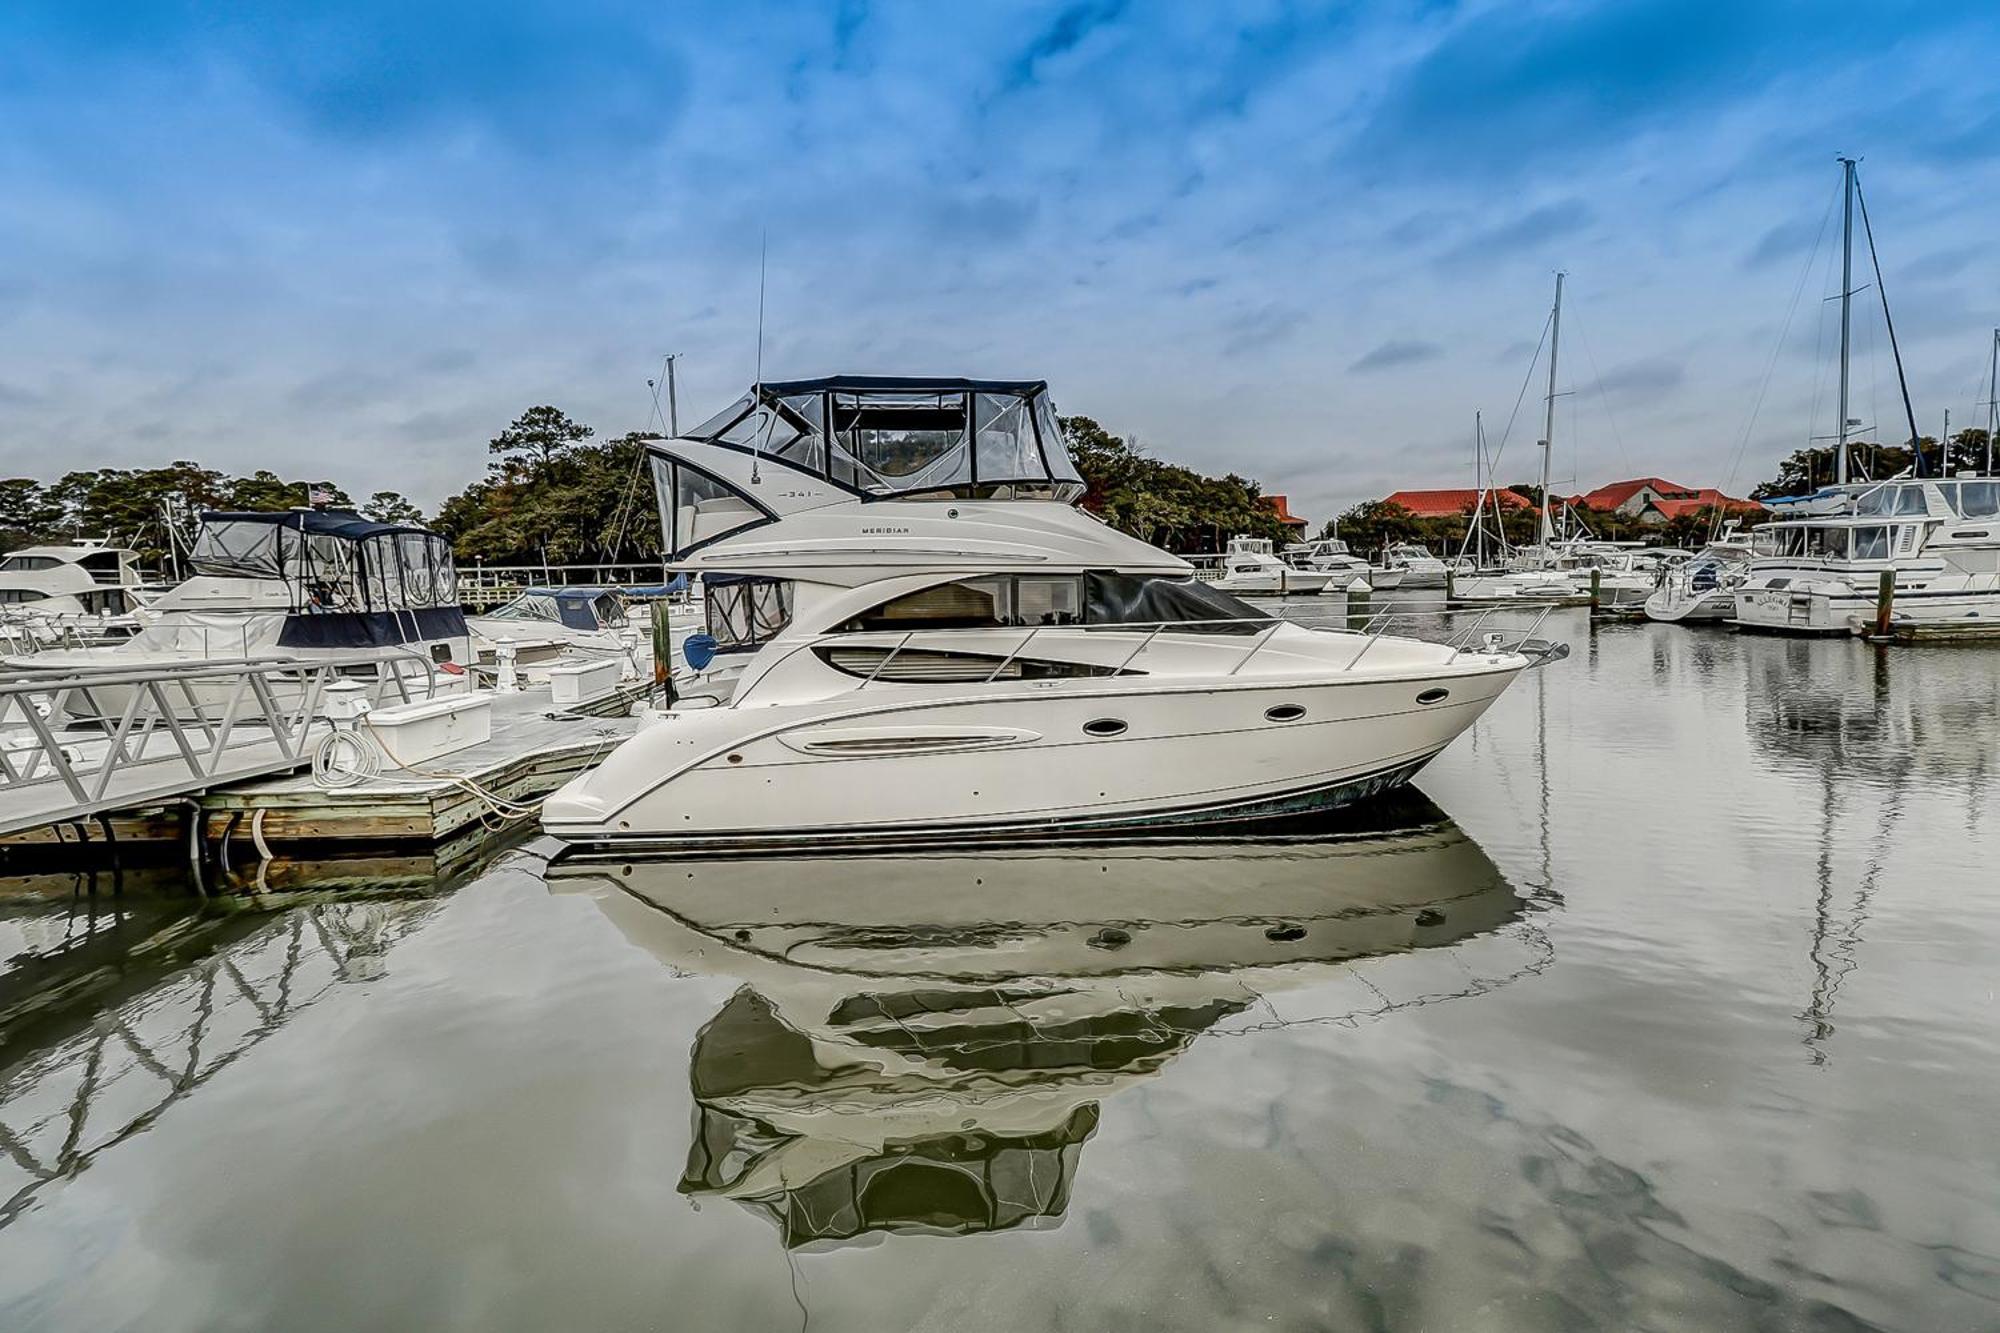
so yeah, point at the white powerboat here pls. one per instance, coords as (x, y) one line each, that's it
(953, 650)
(1248, 568)
(85, 584)
(297, 584)
(1703, 588)
(1821, 573)
(1329, 555)
(1414, 565)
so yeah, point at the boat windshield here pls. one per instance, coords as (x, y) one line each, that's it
(330, 560)
(573, 609)
(1010, 601)
(908, 438)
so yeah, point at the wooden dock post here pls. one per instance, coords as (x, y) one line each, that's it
(1450, 583)
(1885, 601)
(663, 642)
(1357, 603)
(1596, 580)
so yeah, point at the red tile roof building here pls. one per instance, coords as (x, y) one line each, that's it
(1654, 500)
(1451, 504)
(1284, 512)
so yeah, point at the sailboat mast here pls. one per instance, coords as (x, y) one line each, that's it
(1993, 402)
(1846, 311)
(1477, 537)
(1545, 532)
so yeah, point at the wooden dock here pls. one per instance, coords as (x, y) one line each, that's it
(1956, 631)
(441, 813)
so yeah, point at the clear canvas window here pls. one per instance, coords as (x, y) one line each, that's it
(746, 612)
(900, 443)
(696, 509)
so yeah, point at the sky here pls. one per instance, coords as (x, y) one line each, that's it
(1301, 242)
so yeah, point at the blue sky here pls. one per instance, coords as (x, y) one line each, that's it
(1302, 242)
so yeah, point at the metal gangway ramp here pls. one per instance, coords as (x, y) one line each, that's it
(82, 741)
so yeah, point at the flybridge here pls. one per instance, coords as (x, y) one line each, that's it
(793, 445)
(908, 437)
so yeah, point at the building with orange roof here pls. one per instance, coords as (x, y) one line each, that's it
(1277, 504)
(1656, 500)
(1453, 503)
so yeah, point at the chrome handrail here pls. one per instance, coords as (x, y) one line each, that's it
(1461, 641)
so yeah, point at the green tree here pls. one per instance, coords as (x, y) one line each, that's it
(1162, 503)
(265, 490)
(28, 513)
(537, 437)
(391, 507)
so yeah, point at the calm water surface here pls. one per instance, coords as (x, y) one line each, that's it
(1675, 1011)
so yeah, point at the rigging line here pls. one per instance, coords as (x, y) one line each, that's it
(1624, 458)
(1778, 346)
(1819, 367)
(1888, 321)
(1493, 464)
(654, 385)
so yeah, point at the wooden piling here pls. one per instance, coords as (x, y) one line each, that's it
(663, 642)
(1596, 580)
(1885, 601)
(1357, 603)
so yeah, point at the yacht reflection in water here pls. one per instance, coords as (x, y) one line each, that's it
(921, 1043)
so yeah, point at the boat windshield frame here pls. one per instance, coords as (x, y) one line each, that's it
(330, 561)
(966, 439)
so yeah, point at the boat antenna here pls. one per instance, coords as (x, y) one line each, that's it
(1902, 381)
(763, 253)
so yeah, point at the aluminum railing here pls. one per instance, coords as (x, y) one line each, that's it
(76, 742)
(1474, 638)
(490, 585)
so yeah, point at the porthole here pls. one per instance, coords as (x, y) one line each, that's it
(1434, 696)
(1104, 726)
(1284, 713)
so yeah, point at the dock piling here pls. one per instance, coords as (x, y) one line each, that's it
(1885, 601)
(1357, 603)
(663, 645)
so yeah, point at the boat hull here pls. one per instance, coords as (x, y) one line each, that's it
(1674, 608)
(1289, 583)
(1026, 765)
(1841, 608)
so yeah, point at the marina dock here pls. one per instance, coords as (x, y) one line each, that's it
(447, 810)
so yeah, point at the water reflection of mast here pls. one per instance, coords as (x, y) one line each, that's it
(236, 997)
(1833, 950)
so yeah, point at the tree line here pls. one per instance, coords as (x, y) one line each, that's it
(554, 493)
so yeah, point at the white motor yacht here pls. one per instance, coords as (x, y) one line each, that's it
(1414, 564)
(1329, 555)
(1704, 587)
(297, 584)
(1248, 568)
(1820, 573)
(949, 648)
(83, 583)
